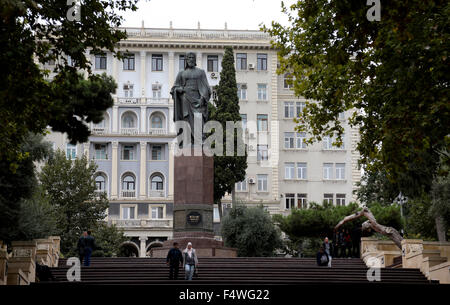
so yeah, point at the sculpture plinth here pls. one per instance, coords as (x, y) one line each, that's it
(193, 207)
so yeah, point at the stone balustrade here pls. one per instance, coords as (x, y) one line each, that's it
(432, 258)
(3, 263)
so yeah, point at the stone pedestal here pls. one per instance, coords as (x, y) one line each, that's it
(3, 263)
(22, 261)
(193, 207)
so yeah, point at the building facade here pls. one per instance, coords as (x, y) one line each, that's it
(134, 145)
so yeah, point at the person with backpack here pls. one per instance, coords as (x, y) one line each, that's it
(89, 246)
(190, 261)
(80, 246)
(321, 257)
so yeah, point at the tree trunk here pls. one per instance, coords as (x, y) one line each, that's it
(440, 228)
(372, 223)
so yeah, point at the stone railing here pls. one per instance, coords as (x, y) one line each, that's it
(142, 223)
(432, 258)
(19, 267)
(158, 131)
(129, 131)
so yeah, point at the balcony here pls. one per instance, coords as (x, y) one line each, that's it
(159, 194)
(129, 131)
(100, 130)
(129, 194)
(157, 101)
(128, 100)
(142, 223)
(157, 131)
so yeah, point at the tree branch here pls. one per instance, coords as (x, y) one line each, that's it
(372, 223)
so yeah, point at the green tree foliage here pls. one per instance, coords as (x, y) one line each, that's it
(109, 239)
(319, 221)
(376, 187)
(228, 169)
(393, 73)
(20, 199)
(419, 222)
(35, 33)
(251, 231)
(70, 186)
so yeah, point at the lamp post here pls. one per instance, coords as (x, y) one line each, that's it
(401, 200)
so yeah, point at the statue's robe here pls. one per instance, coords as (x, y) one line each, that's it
(195, 97)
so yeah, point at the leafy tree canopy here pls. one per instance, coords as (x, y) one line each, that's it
(393, 74)
(32, 35)
(251, 231)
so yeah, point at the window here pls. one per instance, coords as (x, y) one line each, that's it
(241, 61)
(100, 152)
(262, 154)
(262, 183)
(100, 62)
(244, 121)
(157, 62)
(289, 170)
(241, 186)
(290, 201)
(341, 115)
(128, 62)
(327, 142)
(213, 63)
(287, 80)
(128, 90)
(262, 92)
(328, 198)
(128, 212)
(70, 61)
(100, 183)
(156, 89)
(71, 151)
(242, 91)
(288, 140)
(128, 152)
(157, 183)
(181, 62)
(340, 171)
(216, 214)
(128, 120)
(262, 122)
(128, 183)
(156, 121)
(262, 61)
(327, 171)
(288, 109)
(156, 152)
(302, 201)
(300, 139)
(340, 199)
(157, 212)
(302, 170)
(299, 107)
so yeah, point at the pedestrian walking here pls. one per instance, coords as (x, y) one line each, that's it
(190, 261)
(174, 260)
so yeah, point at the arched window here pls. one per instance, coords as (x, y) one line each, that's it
(129, 120)
(157, 183)
(128, 183)
(100, 183)
(157, 121)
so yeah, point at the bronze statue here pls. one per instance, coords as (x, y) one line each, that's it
(191, 93)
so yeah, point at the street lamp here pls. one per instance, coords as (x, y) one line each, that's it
(401, 200)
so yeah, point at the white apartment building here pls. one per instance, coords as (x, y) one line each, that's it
(134, 145)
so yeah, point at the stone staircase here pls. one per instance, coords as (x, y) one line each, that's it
(238, 271)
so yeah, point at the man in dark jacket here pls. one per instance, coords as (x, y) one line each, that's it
(174, 260)
(89, 246)
(80, 246)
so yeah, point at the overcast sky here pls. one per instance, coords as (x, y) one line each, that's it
(212, 14)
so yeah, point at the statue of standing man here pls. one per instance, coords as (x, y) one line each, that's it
(191, 93)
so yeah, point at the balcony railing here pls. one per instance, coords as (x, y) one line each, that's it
(154, 193)
(157, 101)
(128, 100)
(129, 131)
(129, 194)
(146, 223)
(157, 131)
(99, 130)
